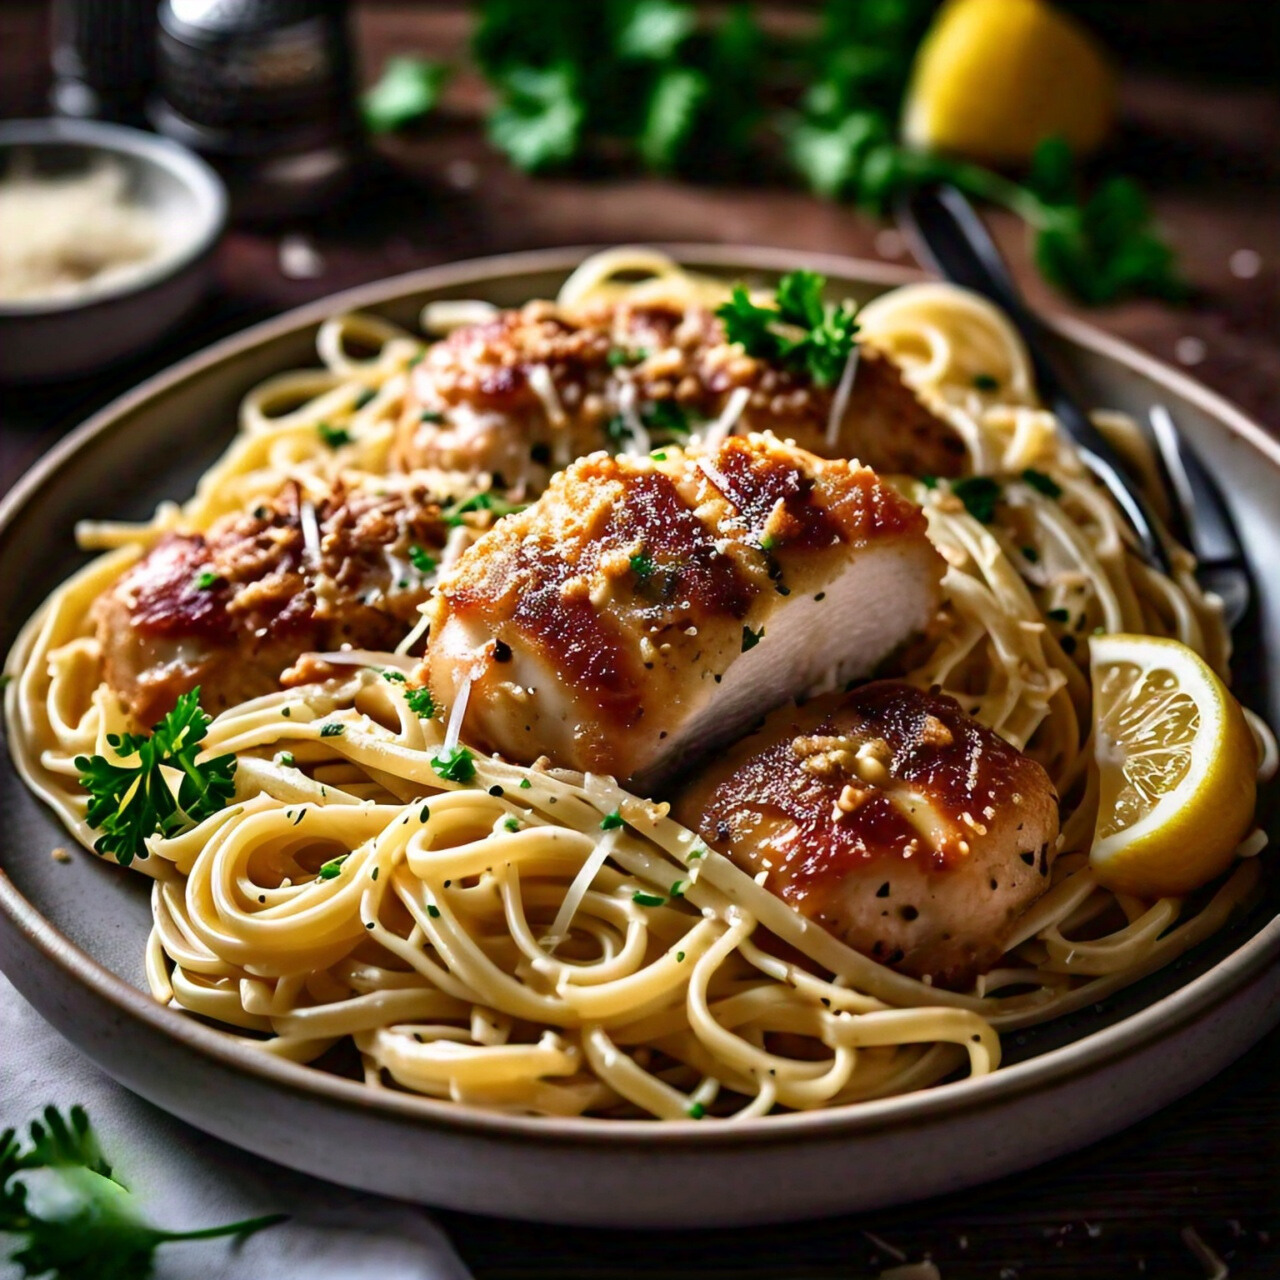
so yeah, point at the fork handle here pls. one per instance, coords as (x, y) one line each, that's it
(947, 233)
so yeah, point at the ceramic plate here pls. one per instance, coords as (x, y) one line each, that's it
(72, 934)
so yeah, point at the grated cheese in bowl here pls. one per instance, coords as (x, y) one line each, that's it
(69, 236)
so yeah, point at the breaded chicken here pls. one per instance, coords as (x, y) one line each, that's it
(231, 609)
(645, 609)
(525, 393)
(893, 819)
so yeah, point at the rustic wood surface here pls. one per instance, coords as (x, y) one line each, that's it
(1211, 157)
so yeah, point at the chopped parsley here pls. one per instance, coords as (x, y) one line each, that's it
(129, 802)
(799, 331)
(511, 824)
(1060, 615)
(619, 356)
(431, 415)
(679, 957)
(1042, 483)
(648, 899)
(979, 495)
(454, 765)
(698, 851)
(421, 703)
(696, 1111)
(285, 758)
(333, 868)
(332, 730)
(208, 580)
(658, 455)
(929, 482)
(677, 889)
(666, 415)
(420, 560)
(985, 382)
(611, 821)
(486, 501)
(642, 564)
(751, 638)
(433, 911)
(396, 677)
(525, 784)
(334, 437)
(365, 397)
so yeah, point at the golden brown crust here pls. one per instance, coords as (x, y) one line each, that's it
(633, 582)
(483, 409)
(891, 817)
(230, 609)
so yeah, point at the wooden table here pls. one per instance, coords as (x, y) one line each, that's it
(1211, 157)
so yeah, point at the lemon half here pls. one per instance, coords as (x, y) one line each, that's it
(1177, 767)
(993, 78)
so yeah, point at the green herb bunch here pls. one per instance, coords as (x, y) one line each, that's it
(73, 1218)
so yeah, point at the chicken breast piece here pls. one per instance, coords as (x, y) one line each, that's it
(890, 817)
(644, 610)
(525, 393)
(231, 609)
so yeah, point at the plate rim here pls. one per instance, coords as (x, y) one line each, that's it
(1089, 1052)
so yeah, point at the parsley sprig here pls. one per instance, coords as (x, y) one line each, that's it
(130, 801)
(84, 1224)
(799, 331)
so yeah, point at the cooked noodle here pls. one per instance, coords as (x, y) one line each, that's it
(484, 942)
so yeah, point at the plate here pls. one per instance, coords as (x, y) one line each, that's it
(72, 934)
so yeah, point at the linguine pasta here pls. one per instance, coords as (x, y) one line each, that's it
(534, 940)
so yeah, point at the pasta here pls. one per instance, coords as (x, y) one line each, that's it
(535, 940)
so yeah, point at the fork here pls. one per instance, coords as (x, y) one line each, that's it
(946, 232)
(1202, 519)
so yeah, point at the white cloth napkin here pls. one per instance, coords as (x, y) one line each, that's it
(185, 1180)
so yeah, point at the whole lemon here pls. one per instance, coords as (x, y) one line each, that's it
(992, 78)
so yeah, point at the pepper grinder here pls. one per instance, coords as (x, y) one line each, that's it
(265, 90)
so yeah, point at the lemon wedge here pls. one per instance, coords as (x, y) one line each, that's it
(1177, 767)
(993, 78)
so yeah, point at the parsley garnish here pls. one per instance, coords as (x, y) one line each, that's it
(486, 501)
(929, 482)
(641, 564)
(799, 331)
(407, 90)
(332, 730)
(421, 703)
(658, 455)
(433, 416)
(395, 677)
(525, 784)
(620, 356)
(679, 957)
(128, 803)
(334, 437)
(208, 580)
(420, 560)
(511, 824)
(751, 638)
(696, 1111)
(985, 382)
(611, 821)
(433, 911)
(365, 397)
(333, 868)
(648, 899)
(677, 889)
(93, 1230)
(1042, 483)
(285, 758)
(454, 765)
(979, 495)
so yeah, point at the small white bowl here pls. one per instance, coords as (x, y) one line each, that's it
(61, 337)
